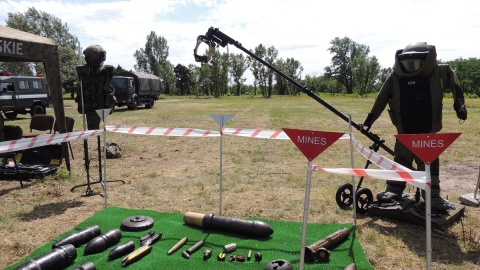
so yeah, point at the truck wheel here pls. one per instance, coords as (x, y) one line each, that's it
(37, 109)
(135, 104)
(10, 115)
(150, 103)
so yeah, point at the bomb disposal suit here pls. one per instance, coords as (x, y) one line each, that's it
(414, 93)
(97, 92)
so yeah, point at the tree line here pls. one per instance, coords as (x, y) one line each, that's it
(352, 70)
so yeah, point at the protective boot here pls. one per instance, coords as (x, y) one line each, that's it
(393, 193)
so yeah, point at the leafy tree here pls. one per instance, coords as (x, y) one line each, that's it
(259, 70)
(468, 72)
(204, 79)
(216, 80)
(184, 79)
(366, 70)
(119, 69)
(45, 25)
(239, 65)
(224, 71)
(318, 84)
(270, 58)
(291, 68)
(152, 59)
(350, 64)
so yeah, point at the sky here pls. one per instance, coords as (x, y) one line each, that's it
(298, 29)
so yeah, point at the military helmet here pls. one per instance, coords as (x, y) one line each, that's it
(279, 264)
(95, 55)
(413, 56)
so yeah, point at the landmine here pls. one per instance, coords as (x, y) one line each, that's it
(406, 210)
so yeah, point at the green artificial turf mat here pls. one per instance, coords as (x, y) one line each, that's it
(284, 243)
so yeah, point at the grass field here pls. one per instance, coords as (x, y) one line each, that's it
(260, 177)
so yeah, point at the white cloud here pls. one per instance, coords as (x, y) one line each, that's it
(299, 29)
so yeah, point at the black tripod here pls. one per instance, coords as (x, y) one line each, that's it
(89, 191)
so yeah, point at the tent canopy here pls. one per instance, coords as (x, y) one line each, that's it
(20, 46)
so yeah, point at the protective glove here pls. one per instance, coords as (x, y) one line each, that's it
(368, 122)
(461, 109)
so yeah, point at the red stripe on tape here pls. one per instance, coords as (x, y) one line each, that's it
(150, 130)
(255, 133)
(405, 176)
(50, 139)
(275, 134)
(361, 172)
(32, 142)
(12, 145)
(168, 131)
(132, 129)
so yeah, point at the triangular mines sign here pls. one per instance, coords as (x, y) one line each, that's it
(428, 146)
(312, 143)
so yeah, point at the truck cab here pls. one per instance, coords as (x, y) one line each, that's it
(22, 95)
(134, 89)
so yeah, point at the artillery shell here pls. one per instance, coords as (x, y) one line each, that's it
(122, 250)
(258, 256)
(185, 255)
(178, 245)
(231, 258)
(249, 256)
(57, 258)
(104, 241)
(79, 238)
(136, 255)
(195, 247)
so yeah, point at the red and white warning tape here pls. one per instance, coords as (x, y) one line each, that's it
(191, 132)
(391, 169)
(376, 158)
(417, 178)
(46, 139)
(159, 131)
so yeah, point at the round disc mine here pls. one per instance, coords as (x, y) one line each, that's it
(137, 223)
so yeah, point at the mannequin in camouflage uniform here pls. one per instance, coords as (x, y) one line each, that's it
(414, 92)
(97, 90)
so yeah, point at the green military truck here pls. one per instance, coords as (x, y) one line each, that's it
(22, 95)
(136, 89)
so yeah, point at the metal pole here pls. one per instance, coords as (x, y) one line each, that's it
(305, 212)
(221, 162)
(352, 162)
(104, 180)
(428, 211)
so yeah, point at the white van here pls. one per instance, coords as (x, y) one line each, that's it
(22, 95)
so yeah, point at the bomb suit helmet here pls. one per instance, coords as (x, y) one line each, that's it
(413, 56)
(95, 55)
